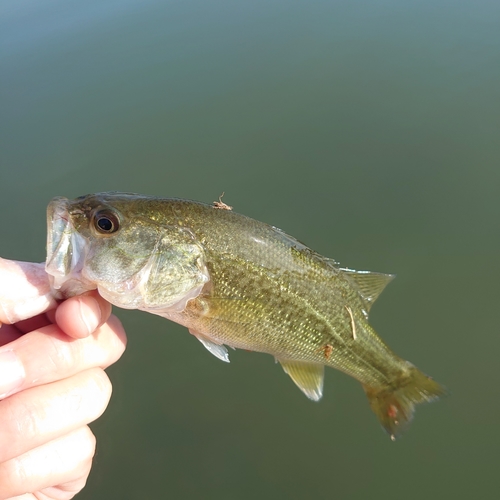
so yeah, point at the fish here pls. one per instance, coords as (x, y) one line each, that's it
(234, 282)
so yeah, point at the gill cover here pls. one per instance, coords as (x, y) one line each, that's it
(167, 275)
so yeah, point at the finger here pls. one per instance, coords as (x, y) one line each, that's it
(79, 316)
(24, 290)
(55, 470)
(34, 323)
(47, 355)
(40, 414)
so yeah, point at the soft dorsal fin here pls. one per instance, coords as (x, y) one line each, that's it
(307, 376)
(370, 285)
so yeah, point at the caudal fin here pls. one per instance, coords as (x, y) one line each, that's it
(394, 407)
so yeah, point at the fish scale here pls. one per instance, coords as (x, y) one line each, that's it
(305, 336)
(235, 281)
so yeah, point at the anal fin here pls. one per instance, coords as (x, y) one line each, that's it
(218, 350)
(307, 376)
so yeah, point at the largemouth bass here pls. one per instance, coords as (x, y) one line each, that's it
(234, 281)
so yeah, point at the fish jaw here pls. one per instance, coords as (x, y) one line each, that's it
(67, 250)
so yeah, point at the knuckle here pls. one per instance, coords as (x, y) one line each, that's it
(87, 446)
(101, 380)
(65, 462)
(99, 391)
(25, 418)
(21, 420)
(91, 444)
(62, 355)
(116, 341)
(13, 474)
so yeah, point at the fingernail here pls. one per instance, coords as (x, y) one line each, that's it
(90, 313)
(11, 373)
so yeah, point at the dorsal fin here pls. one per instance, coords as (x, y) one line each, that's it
(307, 376)
(369, 284)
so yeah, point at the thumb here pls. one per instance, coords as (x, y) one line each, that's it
(24, 290)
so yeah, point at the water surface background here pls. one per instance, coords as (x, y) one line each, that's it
(369, 130)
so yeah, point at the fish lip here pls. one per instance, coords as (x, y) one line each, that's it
(66, 248)
(57, 222)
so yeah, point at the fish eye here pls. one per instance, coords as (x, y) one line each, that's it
(106, 222)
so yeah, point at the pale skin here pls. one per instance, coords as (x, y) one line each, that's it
(52, 383)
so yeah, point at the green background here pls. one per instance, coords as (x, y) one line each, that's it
(369, 130)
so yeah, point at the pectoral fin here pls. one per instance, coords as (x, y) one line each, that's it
(218, 350)
(307, 376)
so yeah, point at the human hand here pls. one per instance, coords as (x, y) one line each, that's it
(52, 383)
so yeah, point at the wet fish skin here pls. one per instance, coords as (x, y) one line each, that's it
(238, 282)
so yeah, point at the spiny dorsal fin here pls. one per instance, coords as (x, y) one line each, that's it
(370, 285)
(307, 376)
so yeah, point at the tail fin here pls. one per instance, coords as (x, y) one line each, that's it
(394, 407)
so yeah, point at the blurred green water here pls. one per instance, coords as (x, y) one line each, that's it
(368, 130)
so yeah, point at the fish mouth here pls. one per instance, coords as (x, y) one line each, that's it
(66, 251)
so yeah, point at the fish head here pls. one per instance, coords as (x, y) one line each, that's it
(119, 245)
